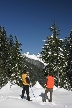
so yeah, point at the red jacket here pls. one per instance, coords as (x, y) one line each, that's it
(50, 82)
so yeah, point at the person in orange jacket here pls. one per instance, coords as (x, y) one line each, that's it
(26, 82)
(49, 87)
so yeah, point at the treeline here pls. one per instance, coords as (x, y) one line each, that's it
(57, 54)
(11, 60)
(13, 63)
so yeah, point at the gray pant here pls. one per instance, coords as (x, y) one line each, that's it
(45, 95)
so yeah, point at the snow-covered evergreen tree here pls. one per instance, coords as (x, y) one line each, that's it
(53, 56)
(3, 56)
(11, 60)
(17, 63)
(68, 54)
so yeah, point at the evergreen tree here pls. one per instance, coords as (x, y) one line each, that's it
(53, 56)
(3, 56)
(11, 59)
(10, 41)
(68, 54)
(16, 61)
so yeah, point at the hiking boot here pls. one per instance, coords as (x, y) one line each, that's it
(28, 98)
(44, 100)
(50, 100)
(21, 97)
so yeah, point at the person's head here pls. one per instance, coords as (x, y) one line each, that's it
(51, 74)
(24, 71)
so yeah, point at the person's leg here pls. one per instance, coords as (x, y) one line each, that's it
(51, 91)
(27, 92)
(23, 91)
(45, 95)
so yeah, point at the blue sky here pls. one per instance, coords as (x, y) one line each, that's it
(30, 20)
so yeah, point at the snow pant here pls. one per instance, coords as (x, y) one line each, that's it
(45, 95)
(25, 88)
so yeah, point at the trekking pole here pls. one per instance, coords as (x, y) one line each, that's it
(33, 92)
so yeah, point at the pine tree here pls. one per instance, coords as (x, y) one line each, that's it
(10, 55)
(3, 56)
(53, 56)
(68, 54)
(17, 61)
(11, 59)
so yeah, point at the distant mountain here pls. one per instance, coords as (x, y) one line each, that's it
(35, 65)
(34, 59)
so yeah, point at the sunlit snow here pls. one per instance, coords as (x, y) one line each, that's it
(10, 97)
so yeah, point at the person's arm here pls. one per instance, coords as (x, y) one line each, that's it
(27, 80)
(46, 82)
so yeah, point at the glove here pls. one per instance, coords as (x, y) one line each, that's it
(30, 86)
(28, 76)
(44, 85)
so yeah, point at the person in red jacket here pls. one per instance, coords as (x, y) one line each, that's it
(49, 87)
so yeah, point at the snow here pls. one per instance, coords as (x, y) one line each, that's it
(37, 85)
(6, 88)
(44, 40)
(55, 88)
(10, 97)
(27, 54)
(33, 56)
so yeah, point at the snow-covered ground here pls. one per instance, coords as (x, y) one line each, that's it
(10, 97)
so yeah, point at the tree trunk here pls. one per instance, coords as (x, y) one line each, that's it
(58, 75)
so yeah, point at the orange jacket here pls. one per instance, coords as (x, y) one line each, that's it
(24, 79)
(50, 82)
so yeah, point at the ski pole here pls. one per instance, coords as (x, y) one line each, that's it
(33, 93)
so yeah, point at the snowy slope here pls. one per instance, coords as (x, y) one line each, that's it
(10, 97)
(35, 57)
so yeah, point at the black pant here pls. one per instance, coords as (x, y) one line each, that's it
(25, 88)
